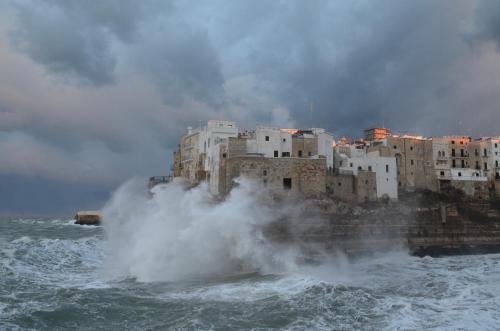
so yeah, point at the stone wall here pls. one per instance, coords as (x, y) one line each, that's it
(360, 188)
(305, 146)
(282, 176)
(472, 189)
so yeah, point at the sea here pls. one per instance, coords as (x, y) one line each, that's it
(175, 261)
(51, 278)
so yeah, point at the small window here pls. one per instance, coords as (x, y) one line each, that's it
(399, 183)
(369, 168)
(394, 147)
(496, 163)
(442, 173)
(350, 165)
(459, 174)
(366, 182)
(285, 154)
(411, 148)
(264, 181)
(359, 168)
(463, 163)
(287, 183)
(224, 155)
(309, 153)
(461, 143)
(340, 184)
(411, 162)
(300, 153)
(386, 168)
(496, 145)
(453, 164)
(264, 173)
(477, 174)
(485, 166)
(284, 139)
(497, 176)
(485, 152)
(462, 153)
(267, 138)
(276, 154)
(453, 142)
(453, 152)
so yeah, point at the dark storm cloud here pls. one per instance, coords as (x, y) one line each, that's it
(487, 21)
(74, 38)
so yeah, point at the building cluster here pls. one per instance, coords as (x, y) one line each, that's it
(310, 162)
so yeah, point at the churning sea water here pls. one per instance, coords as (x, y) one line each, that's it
(178, 261)
(52, 277)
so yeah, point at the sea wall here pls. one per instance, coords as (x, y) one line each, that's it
(424, 224)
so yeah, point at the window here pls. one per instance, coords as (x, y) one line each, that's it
(309, 153)
(224, 155)
(453, 152)
(462, 153)
(264, 181)
(340, 164)
(394, 147)
(208, 142)
(461, 143)
(497, 176)
(459, 174)
(411, 162)
(453, 142)
(496, 145)
(463, 163)
(496, 163)
(285, 154)
(477, 174)
(477, 165)
(485, 166)
(287, 183)
(300, 153)
(369, 168)
(267, 138)
(350, 165)
(411, 148)
(453, 164)
(340, 184)
(476, 152)
(359, 168)
(442, 173)
(386, 168)
(276, 153)
(284, 139)
(264, 172)
(485, 152)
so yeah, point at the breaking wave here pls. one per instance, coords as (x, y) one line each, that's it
(178, 234)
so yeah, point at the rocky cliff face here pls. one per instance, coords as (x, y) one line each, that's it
(425, 223)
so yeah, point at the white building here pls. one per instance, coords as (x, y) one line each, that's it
(271, 142)
(384, 167)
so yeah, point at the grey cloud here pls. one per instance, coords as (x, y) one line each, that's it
(487, 22)
(74, 38)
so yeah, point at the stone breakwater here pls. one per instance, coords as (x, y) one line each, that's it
(424, 223)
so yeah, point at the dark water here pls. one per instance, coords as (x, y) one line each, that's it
(51, 279)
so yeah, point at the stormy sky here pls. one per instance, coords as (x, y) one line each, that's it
(95, 92)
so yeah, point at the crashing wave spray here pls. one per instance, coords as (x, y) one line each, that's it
(178, 234)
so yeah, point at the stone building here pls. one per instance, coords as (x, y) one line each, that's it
(282, 176)
(414, 160)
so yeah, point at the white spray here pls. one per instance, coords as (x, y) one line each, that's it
(179, 234)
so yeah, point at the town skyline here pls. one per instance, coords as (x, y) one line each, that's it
(92, 94)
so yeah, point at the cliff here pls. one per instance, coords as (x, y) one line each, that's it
(425, 223)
